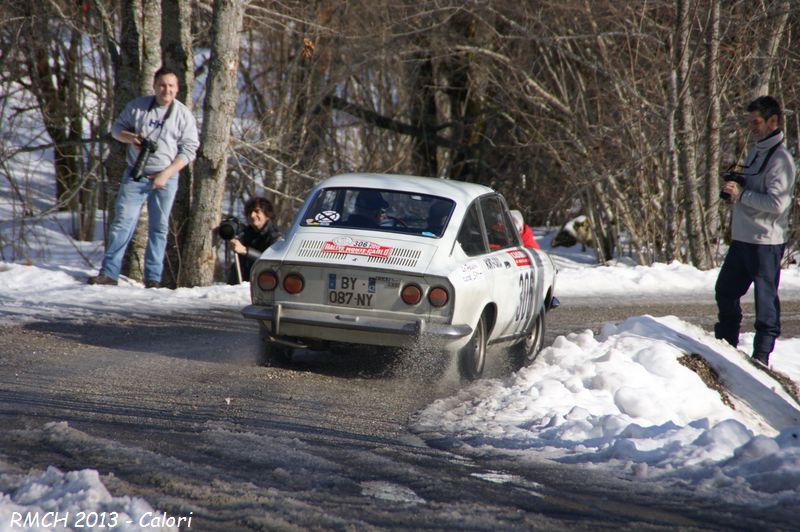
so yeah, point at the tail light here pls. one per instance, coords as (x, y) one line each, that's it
(411, 294)
(438, 297)
(293, 283)
(267, 281)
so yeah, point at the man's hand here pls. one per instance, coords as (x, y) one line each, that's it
(733, 190)
(238, 247)
(159, 180)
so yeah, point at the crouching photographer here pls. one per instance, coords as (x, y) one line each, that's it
(249, 241)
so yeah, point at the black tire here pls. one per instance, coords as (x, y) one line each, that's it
(526, 351)
(472, 357)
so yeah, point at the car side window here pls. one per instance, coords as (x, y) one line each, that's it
(469, 236)
(498, 226)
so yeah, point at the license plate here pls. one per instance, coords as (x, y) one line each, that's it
(349, 291)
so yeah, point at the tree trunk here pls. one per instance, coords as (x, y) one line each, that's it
(211, 165)
(713, 125)
(464, 95)
(178, 55)
(766, 56)
(133, 263)
(687, 143)
(55, 81)
(423, 116)
(673, 178)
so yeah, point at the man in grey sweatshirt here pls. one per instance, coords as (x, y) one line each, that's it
(759, 232)
(164, 124)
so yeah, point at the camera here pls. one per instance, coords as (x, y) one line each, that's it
(148, 147)
(229, 227)
(730, 175)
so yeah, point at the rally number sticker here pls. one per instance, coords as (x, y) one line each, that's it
(525, 302)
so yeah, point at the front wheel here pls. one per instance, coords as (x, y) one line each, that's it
(472, 357)
(527, 350)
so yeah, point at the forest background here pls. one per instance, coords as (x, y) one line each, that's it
(624, 112)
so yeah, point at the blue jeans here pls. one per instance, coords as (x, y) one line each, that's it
(750, 264)
(131, 197)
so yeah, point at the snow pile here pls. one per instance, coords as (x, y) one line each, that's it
(621, 400)
(54, 500)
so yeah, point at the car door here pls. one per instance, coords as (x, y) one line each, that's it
(511, 267)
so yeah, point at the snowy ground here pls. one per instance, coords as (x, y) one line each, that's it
(617, 400)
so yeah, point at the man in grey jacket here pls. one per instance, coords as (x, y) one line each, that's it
(169, 128)
(759, 232)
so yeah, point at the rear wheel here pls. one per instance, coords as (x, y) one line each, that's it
(527, 350)
(472, 357)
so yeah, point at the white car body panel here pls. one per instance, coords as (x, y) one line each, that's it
(511, 284)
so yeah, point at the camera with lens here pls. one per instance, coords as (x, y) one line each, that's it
(148, 147)
(229, 227)
(730, 175)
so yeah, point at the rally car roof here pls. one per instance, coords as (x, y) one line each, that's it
(459, 191)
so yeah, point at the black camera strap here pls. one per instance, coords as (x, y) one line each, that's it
(153, 105)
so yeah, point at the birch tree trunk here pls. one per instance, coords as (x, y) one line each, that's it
(210, 166)
(671, 240)
(713, 125)
(687, 141)
(765, 55)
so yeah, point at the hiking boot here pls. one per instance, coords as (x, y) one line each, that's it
(152, 284)
(102, 279)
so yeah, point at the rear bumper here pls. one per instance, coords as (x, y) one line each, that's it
(283, 320)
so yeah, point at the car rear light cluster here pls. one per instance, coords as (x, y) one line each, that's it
(292, 283)
(411, 294)
(438, 296)
(267, 281)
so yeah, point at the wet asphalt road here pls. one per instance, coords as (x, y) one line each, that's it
(174, 410)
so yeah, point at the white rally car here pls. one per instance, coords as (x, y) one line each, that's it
(384, 260)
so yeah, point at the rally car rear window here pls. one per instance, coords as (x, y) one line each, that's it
(379, 210)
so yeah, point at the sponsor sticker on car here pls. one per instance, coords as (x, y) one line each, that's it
(520, 257)
(351, 291)
(352, 246)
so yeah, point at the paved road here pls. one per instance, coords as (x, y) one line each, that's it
(173, 409)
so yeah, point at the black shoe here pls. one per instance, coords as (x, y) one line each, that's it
(102, 279)
(152, 284)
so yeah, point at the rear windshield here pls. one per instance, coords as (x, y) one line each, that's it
(380, 210)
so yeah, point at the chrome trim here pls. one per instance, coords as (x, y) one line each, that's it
(279, 314)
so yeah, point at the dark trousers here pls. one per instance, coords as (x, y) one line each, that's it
(745, 265)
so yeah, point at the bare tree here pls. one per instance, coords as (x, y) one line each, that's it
(150, 52)
(568, 108)
(211, 163)
(687, 141)
(176, 45)
(713, 123)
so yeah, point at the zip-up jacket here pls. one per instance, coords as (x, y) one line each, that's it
(176, 134)
(761, 216)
